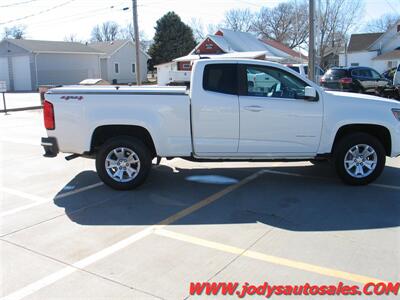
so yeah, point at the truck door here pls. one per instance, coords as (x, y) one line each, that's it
(215, 109)
(275, 117)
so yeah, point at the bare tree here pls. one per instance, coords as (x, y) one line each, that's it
(200, 31)
(127, 33)
(106, 32)
(286, 23)
(337, 18)
(383, 23)
(238, 20)
(72, 38)
(15, 32)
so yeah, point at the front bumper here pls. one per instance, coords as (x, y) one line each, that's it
(50, 146)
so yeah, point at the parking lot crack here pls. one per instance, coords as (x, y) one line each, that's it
(237, 257)
(82, 269)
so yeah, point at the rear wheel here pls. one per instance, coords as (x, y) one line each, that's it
(359, 158)
(123, 163)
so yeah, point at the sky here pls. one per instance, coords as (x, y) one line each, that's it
(57, 19)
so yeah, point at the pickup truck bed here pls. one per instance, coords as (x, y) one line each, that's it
(164, 111)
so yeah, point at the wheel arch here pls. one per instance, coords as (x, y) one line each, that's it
(378, 131)
(105, 132)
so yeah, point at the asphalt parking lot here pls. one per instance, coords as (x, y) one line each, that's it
(64, 235)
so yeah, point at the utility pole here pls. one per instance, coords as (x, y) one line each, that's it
(137, 42)
(311, 42)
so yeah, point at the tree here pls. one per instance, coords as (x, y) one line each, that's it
(15, 32)
(238, 20)
(383, 23)
(199, 31)
(286, 23)
(106, 32)
(172, 39)
(128, 33)
(72, 38)
(337, 18)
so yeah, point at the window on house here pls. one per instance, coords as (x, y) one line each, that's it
(116, 68)
(133, 68)
(392, 64)
(355, 64)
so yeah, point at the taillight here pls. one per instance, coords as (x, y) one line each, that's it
(48, 113)
(345, 80)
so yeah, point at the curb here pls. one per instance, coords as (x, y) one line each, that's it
(21, 109)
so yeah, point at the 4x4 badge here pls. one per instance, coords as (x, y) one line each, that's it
(72, 97)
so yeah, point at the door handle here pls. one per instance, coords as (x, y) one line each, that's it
(254, 108)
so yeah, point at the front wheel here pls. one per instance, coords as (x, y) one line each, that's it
(123, 163)
(359, 159)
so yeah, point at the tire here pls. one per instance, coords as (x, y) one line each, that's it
(123, 163)
(352, 162)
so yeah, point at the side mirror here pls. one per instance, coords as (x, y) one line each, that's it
(310, 93)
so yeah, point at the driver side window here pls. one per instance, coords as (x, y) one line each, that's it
(273, 83)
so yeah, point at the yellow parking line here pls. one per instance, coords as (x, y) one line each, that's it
(85, 262)
(268, 258)
(209, 200)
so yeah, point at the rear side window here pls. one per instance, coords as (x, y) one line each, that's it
(364, 73)
(336, 73)
(221, 78)
(296, 69)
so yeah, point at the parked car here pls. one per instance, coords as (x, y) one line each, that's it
(221, 117)
(302, 69)
(354, 79)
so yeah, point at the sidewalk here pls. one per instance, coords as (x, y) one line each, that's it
(20, 101)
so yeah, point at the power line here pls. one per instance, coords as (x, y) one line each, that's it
(18, 3)
(38, 13)
(82, 15)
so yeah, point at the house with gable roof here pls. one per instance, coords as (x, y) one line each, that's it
(380, 50)
(226, 43)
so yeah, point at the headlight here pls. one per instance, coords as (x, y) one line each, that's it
(396, 113)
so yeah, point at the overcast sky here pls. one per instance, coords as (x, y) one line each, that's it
(56, 19)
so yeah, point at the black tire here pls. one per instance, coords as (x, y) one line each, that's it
(348, 142)
(140, 150)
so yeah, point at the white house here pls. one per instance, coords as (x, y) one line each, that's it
(226, 43)
(26, 64)
(380, 51)
(118, 61)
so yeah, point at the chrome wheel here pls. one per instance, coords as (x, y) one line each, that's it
(360, 161)
(122, 164)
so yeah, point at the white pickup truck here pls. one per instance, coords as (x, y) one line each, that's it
(222, 117)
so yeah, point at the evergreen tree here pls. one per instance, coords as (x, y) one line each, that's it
(172, 39)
